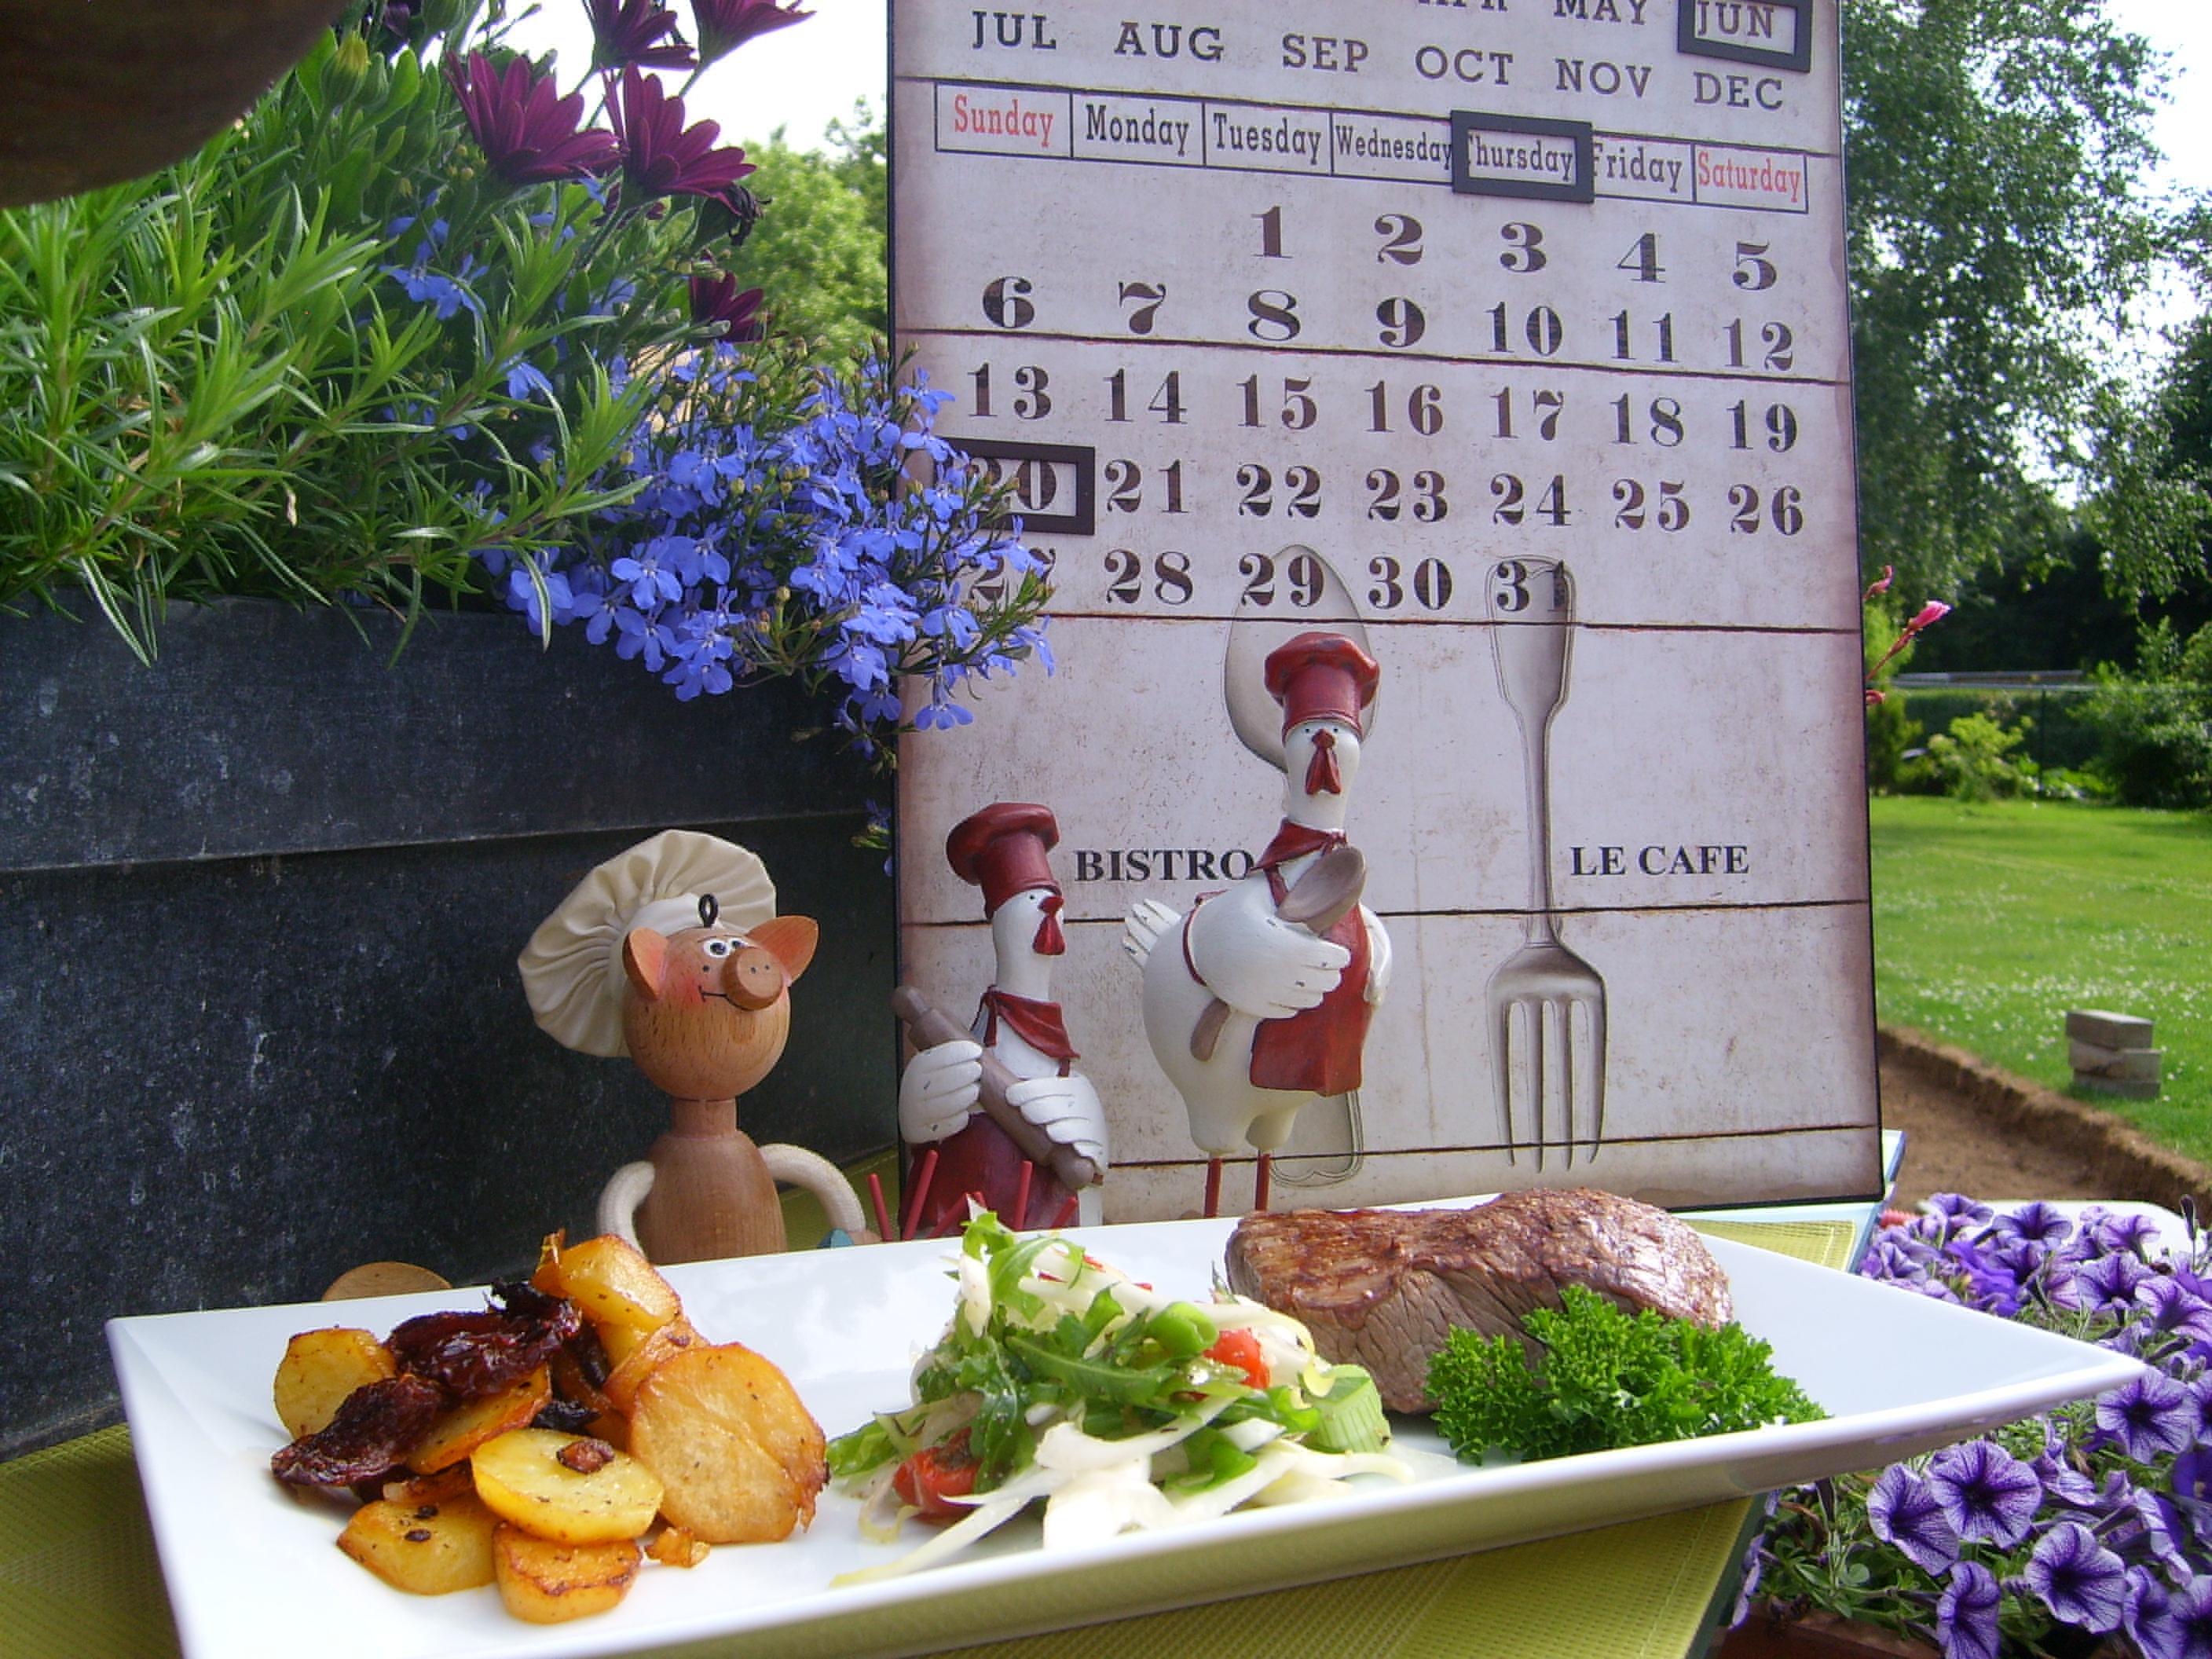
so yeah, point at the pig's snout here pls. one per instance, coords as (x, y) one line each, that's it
(753, 978)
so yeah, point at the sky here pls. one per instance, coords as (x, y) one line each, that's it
(801, 78)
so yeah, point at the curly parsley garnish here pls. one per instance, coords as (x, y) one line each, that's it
(1603, 1378)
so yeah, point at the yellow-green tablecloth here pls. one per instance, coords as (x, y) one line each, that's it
(79, 1579)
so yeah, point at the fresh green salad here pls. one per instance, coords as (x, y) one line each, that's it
(1122, 1406)
(1600, 1377)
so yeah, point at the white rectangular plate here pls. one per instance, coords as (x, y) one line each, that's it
(253, 1570)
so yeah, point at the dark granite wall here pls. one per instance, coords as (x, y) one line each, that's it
(260, 908)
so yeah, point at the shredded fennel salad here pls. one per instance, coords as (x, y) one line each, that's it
(1123, 1408)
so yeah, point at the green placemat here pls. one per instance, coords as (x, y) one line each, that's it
(79, 1579)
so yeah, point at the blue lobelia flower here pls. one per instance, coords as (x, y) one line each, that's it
(1966, 1613)
(1903, 1511)
(2079, 1579)
(2149, 1414)
(1985, 1491)
(524, 380)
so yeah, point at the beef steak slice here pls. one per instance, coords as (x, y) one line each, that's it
(1383, 1288)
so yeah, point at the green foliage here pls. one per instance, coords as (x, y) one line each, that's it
(1891, 735)
(236, 379)
(819, 251)
(2000, 228)
(1989, 922)
(2154, 727)
(1972, 761)
(1605, 1378)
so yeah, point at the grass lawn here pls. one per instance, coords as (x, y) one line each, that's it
(1991, 921)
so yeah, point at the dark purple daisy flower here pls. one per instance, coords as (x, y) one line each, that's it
(526, 130)
(641, 32)
(2109, 1283)
(2037, 1223)
(1985, 1491)
(1903, 1511)
(2148, 1414)
(2079, 1579)
(1966, 1613)
(661, 156)
(723, 26)
(717, 303)
(2172, 1623)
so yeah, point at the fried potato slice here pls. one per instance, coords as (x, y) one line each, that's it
(320, 1369)
(616, 1286)
(741, 1458)
(469, 1425)
(425, 1549)
(676, 1547)
(547, 1582)
(641, 1361)
(566, 1487)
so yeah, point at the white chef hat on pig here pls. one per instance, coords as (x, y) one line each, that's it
(572, 968)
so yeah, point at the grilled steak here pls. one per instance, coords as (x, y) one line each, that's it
(1382, 1288)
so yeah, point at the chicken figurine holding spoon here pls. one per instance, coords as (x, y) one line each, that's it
(1256, 1001)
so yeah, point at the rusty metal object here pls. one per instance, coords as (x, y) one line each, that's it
(99, 94)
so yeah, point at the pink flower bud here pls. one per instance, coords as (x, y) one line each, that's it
(1875, 699)
(1888, 576)
(1930, 613)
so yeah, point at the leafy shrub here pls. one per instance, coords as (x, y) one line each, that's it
(2154, 730)
(1972, 761)
(1892, 740)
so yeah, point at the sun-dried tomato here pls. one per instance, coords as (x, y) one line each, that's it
(377, 1427)
(475, 1354)
(566, 1415)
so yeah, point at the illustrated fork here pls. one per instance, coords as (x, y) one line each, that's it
(1534, 995)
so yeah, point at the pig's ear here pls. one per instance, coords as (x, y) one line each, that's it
(790, 940)
(645, 960)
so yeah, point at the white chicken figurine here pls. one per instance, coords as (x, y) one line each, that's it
(1250, 1014)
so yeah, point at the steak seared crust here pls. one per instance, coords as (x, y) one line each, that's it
(1383, 1288)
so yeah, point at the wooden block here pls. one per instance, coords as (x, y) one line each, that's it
(2122, 1065)
(2123, 1088)
(2107, 1030)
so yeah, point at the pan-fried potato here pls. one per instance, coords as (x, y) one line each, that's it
(676, 1547)
(741, 1458)
(623, 1382)
(425, 1549)
(469, 1425)
(614, 1285)
(566, 1487)
(547, 1583)
(320, 1369)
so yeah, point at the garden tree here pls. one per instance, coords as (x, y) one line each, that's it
(818, 248)
(2000, 229)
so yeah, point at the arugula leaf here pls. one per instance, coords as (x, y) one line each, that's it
(1600, 1377)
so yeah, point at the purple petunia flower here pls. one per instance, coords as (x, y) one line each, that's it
(2148, 1414)
(2170, 1623)
(1903, 1511)
(526, 129)
(2035, 1224)
(723, 26)
(2108, 1283)
(1985, 1491)
(2173, 1309)
(641, 32)
(2079, 1579)
(661, 156)
(1966, 1613)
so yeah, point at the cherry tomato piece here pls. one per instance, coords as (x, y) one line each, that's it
(1242, 1350)
(936, 1474)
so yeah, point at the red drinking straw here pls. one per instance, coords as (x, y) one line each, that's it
(924, 1173)
(1067, 1212)
(1021, 1216)
(1212, 1187)
(883, 1210)
(1260, 1181)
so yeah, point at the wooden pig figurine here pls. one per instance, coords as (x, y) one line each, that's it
(705, 1013)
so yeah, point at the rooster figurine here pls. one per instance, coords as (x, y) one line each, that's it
(1257, 1000)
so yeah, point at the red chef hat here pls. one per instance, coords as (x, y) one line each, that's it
(1323, 676)
(1002, 850)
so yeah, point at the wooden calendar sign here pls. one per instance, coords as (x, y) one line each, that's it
(1511, 334)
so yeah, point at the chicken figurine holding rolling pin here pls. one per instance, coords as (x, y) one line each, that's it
(1257, 999)
(999, 1112)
